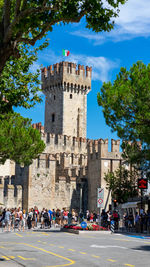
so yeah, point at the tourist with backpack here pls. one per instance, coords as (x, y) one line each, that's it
(46, 218)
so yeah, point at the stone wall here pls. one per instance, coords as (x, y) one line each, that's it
(10, 194)
(7, 169)
(66, 89)
(51, 180)
(100, 161)
(63, 143)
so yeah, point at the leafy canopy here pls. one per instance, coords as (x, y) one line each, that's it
(126, 103)
(29, 20)
(18, 85)
(126, 107)
(18, 140)
(122, 184)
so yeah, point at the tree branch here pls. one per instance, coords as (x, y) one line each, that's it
(45, 29)
(38, 37)
(17, 7)
(6, 14)
(23, 14)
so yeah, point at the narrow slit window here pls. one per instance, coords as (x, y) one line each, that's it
(53, 117)
(70, 96)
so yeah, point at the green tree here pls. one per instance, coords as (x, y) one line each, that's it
(18, 140)
(18, 85)
(126, 107)
(121, 184)
(28, 21)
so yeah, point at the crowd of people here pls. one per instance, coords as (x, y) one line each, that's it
(11, 219)
(140, 222)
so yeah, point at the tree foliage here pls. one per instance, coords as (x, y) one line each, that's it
(121, 184)
(126, 107)
(126, 103)
(28, 21)
(18, 140)
(18, 85)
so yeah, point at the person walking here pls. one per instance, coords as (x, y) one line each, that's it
(7, 220)
(29, 219)
(24, 219)
(65, 216)
(54, 217)
(13, 219)
(20, 220)
(137, 222)
(3, 217)
(42, 218)
(46, 218)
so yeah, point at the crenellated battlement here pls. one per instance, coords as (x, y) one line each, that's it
(99, 148)
(10, 194)
(60, 143)
(38, 126)
(66, 75)
(115, 145)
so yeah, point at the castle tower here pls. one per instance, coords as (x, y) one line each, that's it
(66, 88)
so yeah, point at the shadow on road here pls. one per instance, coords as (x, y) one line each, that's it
(48, 230)
(145, 248)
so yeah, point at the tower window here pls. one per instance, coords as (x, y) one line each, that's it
(54, 97)
(53, 117)
(70, 96)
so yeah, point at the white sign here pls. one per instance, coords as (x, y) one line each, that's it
(100, 197)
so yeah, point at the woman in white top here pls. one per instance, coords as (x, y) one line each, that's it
(24, 218)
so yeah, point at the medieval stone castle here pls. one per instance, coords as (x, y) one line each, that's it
(69, 171)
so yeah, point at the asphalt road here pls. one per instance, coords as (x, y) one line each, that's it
(56, 249)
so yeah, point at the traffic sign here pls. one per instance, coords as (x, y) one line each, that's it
(100, 192)
(83, 224)
(142, 183)
(112, 226)
(100, 197)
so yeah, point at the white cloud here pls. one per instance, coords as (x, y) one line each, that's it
(133, 21)
(101, 66)
(97, 38)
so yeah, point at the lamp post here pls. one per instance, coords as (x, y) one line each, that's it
(81, 189)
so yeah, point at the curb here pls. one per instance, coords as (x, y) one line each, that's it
(78, 232)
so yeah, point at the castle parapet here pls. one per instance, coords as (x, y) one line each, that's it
(61, 143)
(67, 76)
(115, 145)
(10, 195)
(99, 148)
(38, 126)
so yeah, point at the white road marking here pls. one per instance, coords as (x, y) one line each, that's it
(111, 246)
(97, 246)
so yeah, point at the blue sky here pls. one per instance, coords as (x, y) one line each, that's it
(105, 52)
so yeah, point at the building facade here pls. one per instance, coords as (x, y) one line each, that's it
(69, 171)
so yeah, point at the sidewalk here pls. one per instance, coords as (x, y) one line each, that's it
(134, 234)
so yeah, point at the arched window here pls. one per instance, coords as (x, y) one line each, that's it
(70, 96)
